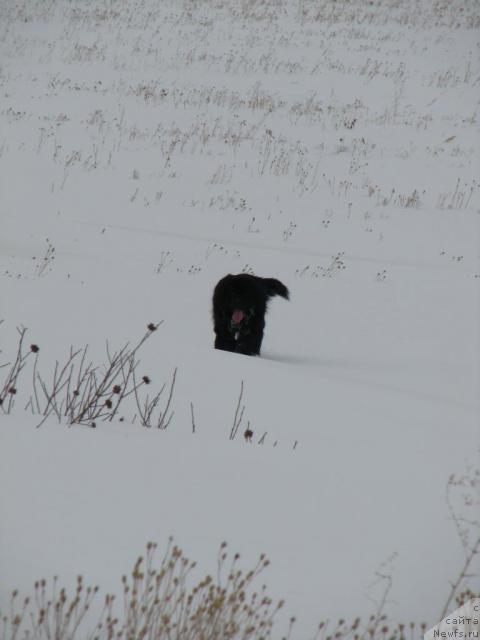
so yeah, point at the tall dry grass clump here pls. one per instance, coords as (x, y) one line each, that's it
(158, 603)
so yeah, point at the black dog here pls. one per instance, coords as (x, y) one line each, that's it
(239, 307)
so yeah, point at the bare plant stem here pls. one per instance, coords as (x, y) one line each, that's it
(193, 417)
(163, 422)
(237, 420)
(462, 576)
(9, 387)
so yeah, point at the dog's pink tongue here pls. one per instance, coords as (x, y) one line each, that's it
(237, 316)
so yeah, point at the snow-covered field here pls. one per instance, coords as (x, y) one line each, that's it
(149, 147)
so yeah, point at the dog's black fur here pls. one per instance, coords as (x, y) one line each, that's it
(239, 307)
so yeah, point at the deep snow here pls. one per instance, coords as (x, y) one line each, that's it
(158, 146)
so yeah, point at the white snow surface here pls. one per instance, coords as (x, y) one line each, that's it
(160, 145)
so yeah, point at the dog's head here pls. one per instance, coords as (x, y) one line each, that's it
(239, 321)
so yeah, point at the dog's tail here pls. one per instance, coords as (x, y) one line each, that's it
(276, 288)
